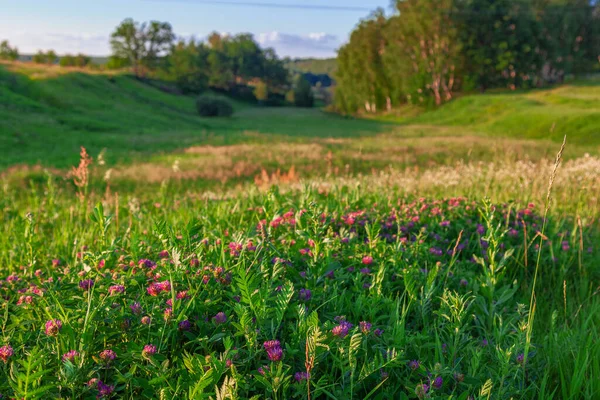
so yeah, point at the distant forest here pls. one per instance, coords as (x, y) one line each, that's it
(428, 50)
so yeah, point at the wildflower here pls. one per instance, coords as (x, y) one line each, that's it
(342, 329)
(565, 246)
(235, 249)
(25, 299)
(480, 229)
(136, 308)
(365, 271)
(148, 351)
(163, 254)
(101, 264)
(168, 313)
(86, 284)
(367, 260)
(484, 343)
(521, 359)
(274, 351)
(185, 325)
(438, 382)
(436, 251)
(182, 295)
(220, 318)
(6, 352)
(414, 365)
(104, 390)
(301, 376)
(262, 370)
(70, 356)
(146, 320)
(146, 263)
(365, 327)
(421, 390)
(378, 332)
(304, 294)
(464, 282)
(55, 262)
(53, 327)
(459, 377)
(106, 356)
(228, 363)
(116, 289)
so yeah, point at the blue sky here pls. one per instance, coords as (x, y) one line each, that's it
(70, 26)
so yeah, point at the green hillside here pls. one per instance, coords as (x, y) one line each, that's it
(47, 113)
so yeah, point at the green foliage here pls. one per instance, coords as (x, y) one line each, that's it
(188, 66)
(141, 44)
(39, 57)
(261, 91)
(430, 49)
(326, 66)
(213, 106)
(80, 60)
(303, 96)
(7, 52)
(436, 317)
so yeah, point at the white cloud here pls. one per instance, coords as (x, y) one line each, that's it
(61, 42)
(318, 44)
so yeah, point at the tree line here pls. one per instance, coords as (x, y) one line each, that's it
(428, 50)
(233, 64)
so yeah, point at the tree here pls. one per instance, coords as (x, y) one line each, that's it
(188, 66)
(141, 44)
(363, 80)
(261, 92)
(51, 57)
(274, 72)
(39, 57)
(303, 96)
(500, 40)
(80, 60)
(7, 52)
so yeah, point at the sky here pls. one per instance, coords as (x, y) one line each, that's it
(73, 26)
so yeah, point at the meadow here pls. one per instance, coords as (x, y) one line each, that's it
(289, 253)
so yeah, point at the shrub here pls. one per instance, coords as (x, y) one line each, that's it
(261, 92)
(211, 106)
(303, 96)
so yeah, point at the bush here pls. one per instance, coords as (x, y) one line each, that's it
(303, 96)
(211, 106)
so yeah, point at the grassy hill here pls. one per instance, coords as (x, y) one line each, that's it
(47, 113)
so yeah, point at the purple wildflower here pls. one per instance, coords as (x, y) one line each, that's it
(414, 365)
(116, 289)
(301, 376)
(304, 294)
(185, 325)
(274, 351)
(53, 327)
(342, 329)
(70, 356)
(6, 352)
(106, 356)
(86, 284)
(104, 390)
(220, 318)
(136, 308)
(365, 327)
(148, 351)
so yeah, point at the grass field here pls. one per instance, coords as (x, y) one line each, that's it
(288, 253)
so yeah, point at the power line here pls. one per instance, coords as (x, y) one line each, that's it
(271, 5)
